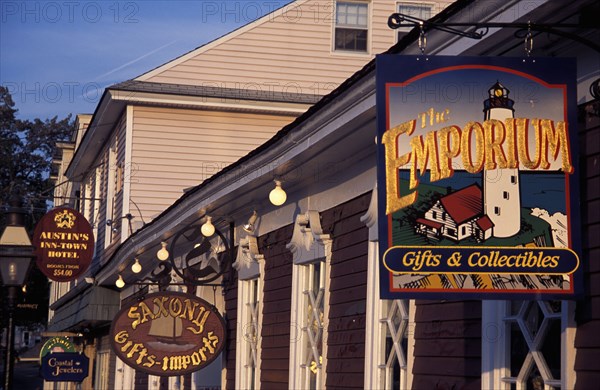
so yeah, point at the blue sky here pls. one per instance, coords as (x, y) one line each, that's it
(57, 56)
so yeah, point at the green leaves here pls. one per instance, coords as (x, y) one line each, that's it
(26, 151)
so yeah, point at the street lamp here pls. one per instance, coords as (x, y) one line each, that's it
(16, 253)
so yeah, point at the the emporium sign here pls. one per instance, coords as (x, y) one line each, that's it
(477, 176)
(168, 334)
(64, 244)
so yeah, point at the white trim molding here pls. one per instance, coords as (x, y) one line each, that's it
(311, 250)
(248, 259)
(308, 242)
(251, 267)
(393, 319)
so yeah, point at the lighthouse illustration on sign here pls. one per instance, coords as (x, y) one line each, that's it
(501, 197)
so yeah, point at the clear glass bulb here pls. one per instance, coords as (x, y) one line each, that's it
(136, 267)
(163, 253)
(207, 229)
(120, 283)
(277, 196)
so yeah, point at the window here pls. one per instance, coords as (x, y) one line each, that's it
(463, 230)
(112, 214)
(496, 210)
(505, 194)
(250, 266)
(397, 331)
(513, 179)
(415, 10)
(351, 26)
(102, 369)
(311, 323)
(251, 334)
(433, 215)
(523, 344)
(311, 250)
(389, 341)
(119, 178)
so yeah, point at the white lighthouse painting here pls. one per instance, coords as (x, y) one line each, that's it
(501, 186)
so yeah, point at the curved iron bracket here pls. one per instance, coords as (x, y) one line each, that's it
(208, 260)
(479, 30)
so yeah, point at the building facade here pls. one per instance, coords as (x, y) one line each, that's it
(302, 302)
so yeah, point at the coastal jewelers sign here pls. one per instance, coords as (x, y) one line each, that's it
(64, 244)
(168, 334)
(65, 367)
(477, 176)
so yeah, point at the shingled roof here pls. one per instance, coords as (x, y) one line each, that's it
(464, 204)
(217, 92)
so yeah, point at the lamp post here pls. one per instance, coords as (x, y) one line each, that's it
(16, 253)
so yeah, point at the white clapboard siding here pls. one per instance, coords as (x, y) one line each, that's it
(290, 48)
(174, 149)
(277, 51)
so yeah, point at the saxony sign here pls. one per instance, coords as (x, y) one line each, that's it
(168, 333)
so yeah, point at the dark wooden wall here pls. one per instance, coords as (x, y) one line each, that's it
(587, 339)
(277, 298)
(346, 323)
(447, 345)
(231, 316)
(348, 289)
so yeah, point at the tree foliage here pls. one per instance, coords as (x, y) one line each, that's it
(26, 151)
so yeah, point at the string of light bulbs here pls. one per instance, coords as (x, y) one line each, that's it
(277, 197)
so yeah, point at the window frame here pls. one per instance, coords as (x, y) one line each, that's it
(377, 317)
(110, 234)
(496, 353)
(102, 366)
(302, 286)
(248, 355)
(335, 27)
(403, 30)
(309, 246)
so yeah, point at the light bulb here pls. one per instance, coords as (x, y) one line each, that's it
(277, 196)
(12, 271)
(120, 283)
(249, 227)
(208, 229)
(136, 267)
(163, 253)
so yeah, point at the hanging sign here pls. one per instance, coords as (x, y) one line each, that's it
(168, 333)
(64, 244)
(477, 177)
(65, 367)
(57, 345)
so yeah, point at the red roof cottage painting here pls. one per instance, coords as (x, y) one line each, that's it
(457, 216)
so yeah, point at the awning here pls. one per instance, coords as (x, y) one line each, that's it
(92, 307)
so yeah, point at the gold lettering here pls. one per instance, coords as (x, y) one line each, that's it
(133, 314)
(199, 321)
(421, 154)
(477, 130)
(393, 162)
(554, 139)
(189, 310)
(494, 134)
(449, 148)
